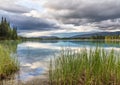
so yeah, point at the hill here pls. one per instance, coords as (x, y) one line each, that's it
(103, 34)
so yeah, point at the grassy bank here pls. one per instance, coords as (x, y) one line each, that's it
(85, 67)
(8, 65)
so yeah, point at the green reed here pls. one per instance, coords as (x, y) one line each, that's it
(85, 67)
(8, 65)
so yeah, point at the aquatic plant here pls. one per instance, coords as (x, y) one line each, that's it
(85, 67)
(8, 64)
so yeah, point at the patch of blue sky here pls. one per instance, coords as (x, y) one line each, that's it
(30, 4)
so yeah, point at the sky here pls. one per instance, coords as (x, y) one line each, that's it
(62, 18)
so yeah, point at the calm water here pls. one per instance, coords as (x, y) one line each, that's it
(34, 56)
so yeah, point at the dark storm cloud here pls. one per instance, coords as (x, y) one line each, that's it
(96, 10)
(30, 23)
(80, 12)
(111, 24)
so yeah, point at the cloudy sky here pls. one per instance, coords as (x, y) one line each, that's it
(36, 18)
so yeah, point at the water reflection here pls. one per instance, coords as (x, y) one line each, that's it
(34, 55)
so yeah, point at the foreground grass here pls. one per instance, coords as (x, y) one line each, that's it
(8, 65)
(85, 67)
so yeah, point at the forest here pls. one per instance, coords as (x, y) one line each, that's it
(6, 31)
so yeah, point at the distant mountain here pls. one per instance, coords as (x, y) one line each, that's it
(49, 37)
(97, 34)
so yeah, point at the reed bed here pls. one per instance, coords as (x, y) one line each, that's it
(8, 65)
(85, 67)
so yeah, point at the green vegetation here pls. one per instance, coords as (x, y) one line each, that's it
(6, 32)
(115, 37)
(85, 67)
(8, 65)
(10, 44)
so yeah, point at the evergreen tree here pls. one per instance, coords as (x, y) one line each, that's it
(6, 32)
(14, 33)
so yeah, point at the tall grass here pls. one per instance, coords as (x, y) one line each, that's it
(8, 64)
(85, 67)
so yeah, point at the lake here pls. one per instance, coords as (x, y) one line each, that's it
(34, 56)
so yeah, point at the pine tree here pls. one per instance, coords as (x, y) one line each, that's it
(14, 33)
(6, 32)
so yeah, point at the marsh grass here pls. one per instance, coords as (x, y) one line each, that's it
(85, 67)
(8, 65)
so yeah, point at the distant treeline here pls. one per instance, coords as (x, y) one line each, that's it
(97, 37)
(106, 37)
(6, 31)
